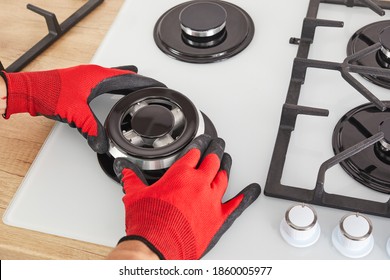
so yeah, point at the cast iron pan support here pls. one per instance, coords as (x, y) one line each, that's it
(377, 6)
(56, 30)
(321, 197)
(291, 110)
(345, 68)
(309, 28)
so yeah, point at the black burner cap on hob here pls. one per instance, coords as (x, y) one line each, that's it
(204, 31)
(377, 32)
(151, 127)
(371, 166)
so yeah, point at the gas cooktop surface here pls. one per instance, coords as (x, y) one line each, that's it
(66, 192)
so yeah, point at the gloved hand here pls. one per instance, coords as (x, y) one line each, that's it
(65, 94)
(181, 216)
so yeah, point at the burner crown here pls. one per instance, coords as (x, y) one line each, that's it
(203, 19)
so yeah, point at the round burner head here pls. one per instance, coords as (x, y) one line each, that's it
(371, 166)
(203, 19)
(151, 127)
(368, 36)
(204, 31)
(152, 121)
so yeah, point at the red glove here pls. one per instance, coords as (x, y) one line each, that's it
(65, 94)
(182, 216)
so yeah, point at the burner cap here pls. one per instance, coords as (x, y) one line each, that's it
(204, 31)
(213, 19)
(371, 166)
(152, 121)
(151, 127)
(368, 36)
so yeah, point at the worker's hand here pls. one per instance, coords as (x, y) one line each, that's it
(65, 94)
(182, 216)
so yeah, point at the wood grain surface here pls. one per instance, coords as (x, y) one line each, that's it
(22, 136)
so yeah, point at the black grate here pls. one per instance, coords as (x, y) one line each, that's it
(291, 110)
(55, 29)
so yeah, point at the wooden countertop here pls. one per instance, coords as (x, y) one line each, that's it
(22, 136)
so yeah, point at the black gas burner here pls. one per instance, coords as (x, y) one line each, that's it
(151, 127)
(371, 166)
(204, 31)
(378, 32)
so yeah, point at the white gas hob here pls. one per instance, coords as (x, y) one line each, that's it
(66, 193)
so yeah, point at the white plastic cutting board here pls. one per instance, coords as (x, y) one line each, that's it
(67, 194)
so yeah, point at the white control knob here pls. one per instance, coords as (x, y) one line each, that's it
(353, 236)
(300, 227)
(388, 247)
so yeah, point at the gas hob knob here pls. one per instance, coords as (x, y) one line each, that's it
(353, 236)
(299, 227)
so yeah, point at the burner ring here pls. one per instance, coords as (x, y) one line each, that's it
(371, 166)
(226, 36)
(122, 113)
(151, 127)
(368, 36)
